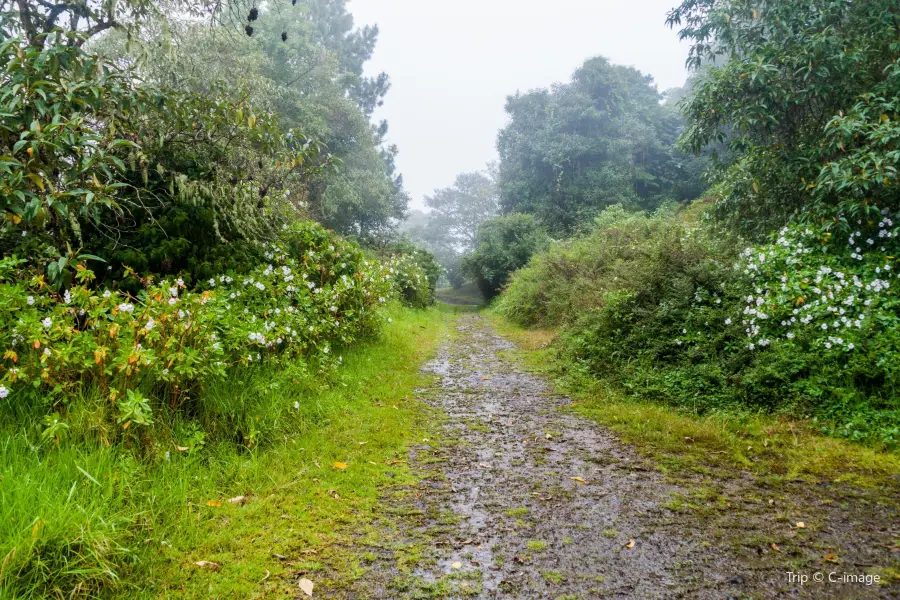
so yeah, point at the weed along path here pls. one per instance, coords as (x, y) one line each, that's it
(519, 498)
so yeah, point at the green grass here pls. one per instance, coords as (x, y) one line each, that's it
(87, 519)
(778, 449)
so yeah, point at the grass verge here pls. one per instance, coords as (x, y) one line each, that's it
(91, 520)
(770, 448)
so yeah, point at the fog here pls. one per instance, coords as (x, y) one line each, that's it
(452, 64)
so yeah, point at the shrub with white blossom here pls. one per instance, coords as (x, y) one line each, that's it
(316, 292)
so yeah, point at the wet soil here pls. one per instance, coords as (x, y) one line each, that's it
(523, 499)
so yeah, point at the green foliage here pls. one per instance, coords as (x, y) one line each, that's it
(803, 94)
(668, 308)
(152, 179)
(602, 139)
(82, 518)
(450, 228)
(502, 245)
(317, 293)
(312, 82)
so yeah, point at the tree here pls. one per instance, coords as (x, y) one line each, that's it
(36, 20)
(602, 139)
(313, 82)
(458, 210)
(503, 245)
(803, 96)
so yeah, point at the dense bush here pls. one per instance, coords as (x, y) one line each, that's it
(669, 308)
(502, 245)
(151, 179)
(314, 293)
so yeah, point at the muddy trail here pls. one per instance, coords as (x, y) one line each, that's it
(523, 499)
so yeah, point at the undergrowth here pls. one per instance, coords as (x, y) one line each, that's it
(776, 448)
(90, 519)
(673, 310)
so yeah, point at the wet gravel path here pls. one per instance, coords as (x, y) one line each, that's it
(525, 500)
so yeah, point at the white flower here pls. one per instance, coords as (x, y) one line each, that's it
(325, 350)
(212, 283)
(67, 297)
(46, 351)
(3, 392)
(107, 294)
(150, 324)
(296, 405)
(180, 282)
(47, 323)
(850, 346)
(728, 321)
(30, 300)
(165, 371)
(172, 301)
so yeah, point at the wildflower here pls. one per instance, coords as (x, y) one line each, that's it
(728, 321)
(296, 405)
(67, 297)
(30, 300)
(212, 283)
(3, 392)
(180, 282)
(165, 371)
(172, 301)
(850, 346)
(107, 294)
(46, 351)
(150, 324)
(47, 323)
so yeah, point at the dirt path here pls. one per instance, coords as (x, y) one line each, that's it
(524, 500)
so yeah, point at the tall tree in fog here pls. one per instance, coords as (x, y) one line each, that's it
(602, 139)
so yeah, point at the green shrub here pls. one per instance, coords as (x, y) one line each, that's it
(667, 307)
(315, 294)
(502, 245)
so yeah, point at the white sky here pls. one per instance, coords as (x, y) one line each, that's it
(452, 63)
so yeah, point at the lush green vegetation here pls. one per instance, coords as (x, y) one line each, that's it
(777, 292)
(178, 325)
(284, 455)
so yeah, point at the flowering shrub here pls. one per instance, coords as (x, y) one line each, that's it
(834, 287)
(670, 309)
(315, 293)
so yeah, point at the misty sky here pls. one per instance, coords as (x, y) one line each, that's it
(453, 62)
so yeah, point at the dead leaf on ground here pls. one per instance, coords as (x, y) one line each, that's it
(485, 378)
(801, 525)
(830, 557)
(362, 443)
(238, 500)
(775, 547)
(340, 466)
(456, 565)
(484, 465)
(630, 544)
(181, 448)
(579, 480)
(215, 503)
(306, 586)
(206, 564)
